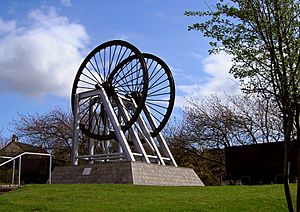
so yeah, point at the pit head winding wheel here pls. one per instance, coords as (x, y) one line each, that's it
(121, 100)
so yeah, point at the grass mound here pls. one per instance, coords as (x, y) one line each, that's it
(100, 197)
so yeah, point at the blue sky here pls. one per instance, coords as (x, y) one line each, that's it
(42, 44)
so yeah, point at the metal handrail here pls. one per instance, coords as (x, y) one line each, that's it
(20, 164)
(5, 157)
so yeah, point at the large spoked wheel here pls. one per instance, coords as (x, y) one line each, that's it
(104, 63)
(161, 92)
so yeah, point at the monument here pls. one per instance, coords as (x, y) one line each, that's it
(121, 100)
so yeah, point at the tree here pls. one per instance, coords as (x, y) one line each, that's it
(208, 165)
(3, 140)
(210, 124)
(263, 38)
(235, 120)
(52, 131)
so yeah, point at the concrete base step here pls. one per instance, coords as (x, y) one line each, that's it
(126, 172)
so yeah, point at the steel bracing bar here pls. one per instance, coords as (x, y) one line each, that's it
(146, 132)
(91, 143)
(106, 144)
(103, 156)
(116, 126)
(88, 94)
(146, 138)
(137, 142)
(159, 137)
(75, 130)
(100, 155)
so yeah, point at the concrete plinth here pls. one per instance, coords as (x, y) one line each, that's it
(126, 172)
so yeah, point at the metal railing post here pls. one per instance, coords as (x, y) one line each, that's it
(50, 169)
(13, 172)
(20, 162)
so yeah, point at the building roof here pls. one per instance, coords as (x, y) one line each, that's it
(15, 148)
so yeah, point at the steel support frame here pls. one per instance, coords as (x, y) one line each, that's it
(125, 149)
(112, 117)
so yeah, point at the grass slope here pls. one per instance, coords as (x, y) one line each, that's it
(100, 197)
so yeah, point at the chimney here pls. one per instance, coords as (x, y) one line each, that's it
(14, 138)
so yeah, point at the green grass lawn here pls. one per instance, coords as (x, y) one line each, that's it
(100, 197)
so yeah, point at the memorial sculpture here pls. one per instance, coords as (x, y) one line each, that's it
(122, 98)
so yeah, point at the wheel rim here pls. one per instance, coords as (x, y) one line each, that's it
(161, 91)
(105, 66)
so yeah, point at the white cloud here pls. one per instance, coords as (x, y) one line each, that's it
(7, 26)
(43, 58)
(66, 3)
(166, 17)
(219, 82)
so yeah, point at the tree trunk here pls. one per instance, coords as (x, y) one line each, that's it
(298, 156)
(287, 126)
(286, 171)
(298, 178)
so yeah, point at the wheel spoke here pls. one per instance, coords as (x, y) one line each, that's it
(98, 69)
(159, 89)
(157, 80)
(92, 74)
(157, 105)
(124, 75)
(159, 94)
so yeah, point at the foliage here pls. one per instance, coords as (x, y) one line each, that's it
(207, 164)
(211, 124)
(6, 174)
(263, 37)
(52, 131)
(3, 140)
(98, 197)
(235, 120)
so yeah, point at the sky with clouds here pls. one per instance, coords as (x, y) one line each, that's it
(43, 42)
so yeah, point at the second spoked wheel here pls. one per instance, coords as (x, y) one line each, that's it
(105, 67)
(160, 98)
(161, 93)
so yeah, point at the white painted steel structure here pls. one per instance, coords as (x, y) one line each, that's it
(122, 98)
(137, 132)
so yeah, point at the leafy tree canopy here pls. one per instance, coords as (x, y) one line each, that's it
(263, 38)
